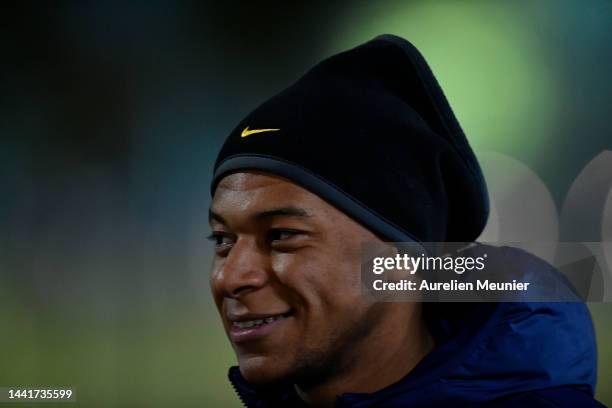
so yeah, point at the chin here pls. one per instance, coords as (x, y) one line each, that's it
(263, 370)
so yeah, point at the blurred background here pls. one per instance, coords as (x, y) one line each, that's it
(111, 114)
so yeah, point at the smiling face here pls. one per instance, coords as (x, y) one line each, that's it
(286, 279)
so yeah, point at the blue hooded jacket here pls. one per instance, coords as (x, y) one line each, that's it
(512, 354)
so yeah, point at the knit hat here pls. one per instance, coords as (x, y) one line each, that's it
(369, 131)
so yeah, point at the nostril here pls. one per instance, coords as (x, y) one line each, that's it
(242, 290)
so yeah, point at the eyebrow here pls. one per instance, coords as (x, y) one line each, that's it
(289, 211)
(282, 212)
(213, 216)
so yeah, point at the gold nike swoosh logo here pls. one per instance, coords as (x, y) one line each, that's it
(246, 132)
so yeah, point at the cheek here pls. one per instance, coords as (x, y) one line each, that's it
(297, 272)
(322, 283)
(213, 281)
(283, 263)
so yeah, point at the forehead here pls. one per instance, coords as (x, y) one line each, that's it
(243, 199)
(251, 180)
(253, 191)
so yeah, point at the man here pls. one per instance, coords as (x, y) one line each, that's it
(365, 148)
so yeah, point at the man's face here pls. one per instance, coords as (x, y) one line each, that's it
(286, 278)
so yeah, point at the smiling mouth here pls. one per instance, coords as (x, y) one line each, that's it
(247, 324)
(245, 331)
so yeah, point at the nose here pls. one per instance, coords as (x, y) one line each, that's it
(242, 271)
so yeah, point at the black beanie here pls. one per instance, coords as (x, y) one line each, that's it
(370, 131)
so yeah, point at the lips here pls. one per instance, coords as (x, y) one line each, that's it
(253, 327)
(257, 322)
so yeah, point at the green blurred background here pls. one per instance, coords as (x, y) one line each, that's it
(111, 114)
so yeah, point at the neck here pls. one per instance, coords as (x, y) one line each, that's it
(381, 359)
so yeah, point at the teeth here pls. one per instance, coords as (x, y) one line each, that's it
(258, 322)
(244, 325)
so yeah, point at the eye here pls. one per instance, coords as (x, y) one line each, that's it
(223, 241)
(279, 236)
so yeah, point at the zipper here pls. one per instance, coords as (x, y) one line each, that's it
(238, 393)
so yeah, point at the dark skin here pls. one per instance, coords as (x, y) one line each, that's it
(284, 254)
